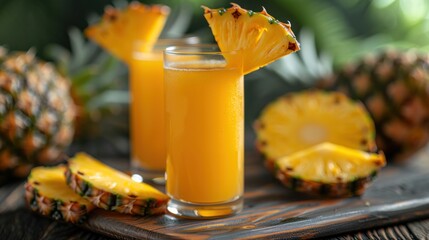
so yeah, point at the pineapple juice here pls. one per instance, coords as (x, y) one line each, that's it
(205, 131)
(148, 150)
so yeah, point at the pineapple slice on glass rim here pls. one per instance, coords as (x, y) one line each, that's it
(329, 170)
(261, 38)
(297, 121)
(120, 29)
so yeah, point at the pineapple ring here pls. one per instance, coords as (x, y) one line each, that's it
(329, 170)
(261, 38)
(298, 121)
(111, 189)
(47, 193)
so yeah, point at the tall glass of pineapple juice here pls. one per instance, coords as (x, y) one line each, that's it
(205, 131)
(148, 146)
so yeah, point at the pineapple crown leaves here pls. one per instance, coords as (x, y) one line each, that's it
(93, 72)
(307, 66)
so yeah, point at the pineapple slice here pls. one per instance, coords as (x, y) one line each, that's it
(110, 189)
(47, 193)
(298, 121)
(329, 170)
(261, 38)
(135, 28)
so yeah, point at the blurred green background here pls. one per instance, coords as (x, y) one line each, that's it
(343, 29)
(332, 33)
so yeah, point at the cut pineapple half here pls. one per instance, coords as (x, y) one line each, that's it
(111, 189)
(329, 170)
(47, 193)
(298, 121)
(135, 28)
(261, 38)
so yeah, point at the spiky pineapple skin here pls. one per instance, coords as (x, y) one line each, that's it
(339, 189)
(394, 87)
(114, 202)
(36, 113)
(329, 170)
(56, 207)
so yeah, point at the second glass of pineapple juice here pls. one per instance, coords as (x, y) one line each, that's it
(148, 146)
(205, 131)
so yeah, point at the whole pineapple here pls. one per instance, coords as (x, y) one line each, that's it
(36, 113)
(394, 86)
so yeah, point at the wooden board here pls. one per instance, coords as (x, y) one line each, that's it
(399, 193)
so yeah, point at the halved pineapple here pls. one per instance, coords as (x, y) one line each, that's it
(47, 193)
(300, 120)
(123, 31)
(329, 170)
(110, 189)
(262, 38)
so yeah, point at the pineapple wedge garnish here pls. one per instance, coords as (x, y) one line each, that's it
(123, 31)
(261, 38)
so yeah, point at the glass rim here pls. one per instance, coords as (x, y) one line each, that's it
(171, 41)
(198, 49)
(162, 43)
(185, 40)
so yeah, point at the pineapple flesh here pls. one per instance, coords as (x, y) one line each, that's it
(36, 113)
(329, 170)
(261, 38)
(123, 31)
(47, 193)
(300, 120)
(394, 86)
(110, 189)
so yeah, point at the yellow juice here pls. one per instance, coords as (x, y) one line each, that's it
(205, 131)
(148, 146)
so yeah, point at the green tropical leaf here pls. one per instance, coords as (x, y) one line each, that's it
(307, 65)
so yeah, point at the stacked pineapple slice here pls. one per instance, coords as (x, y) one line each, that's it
(70, 192)
(321, 143)
(298, 121)
(328, 169)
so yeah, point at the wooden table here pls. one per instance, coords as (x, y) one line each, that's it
(397, 203)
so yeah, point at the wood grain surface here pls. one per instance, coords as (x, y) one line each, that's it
(399, 195)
